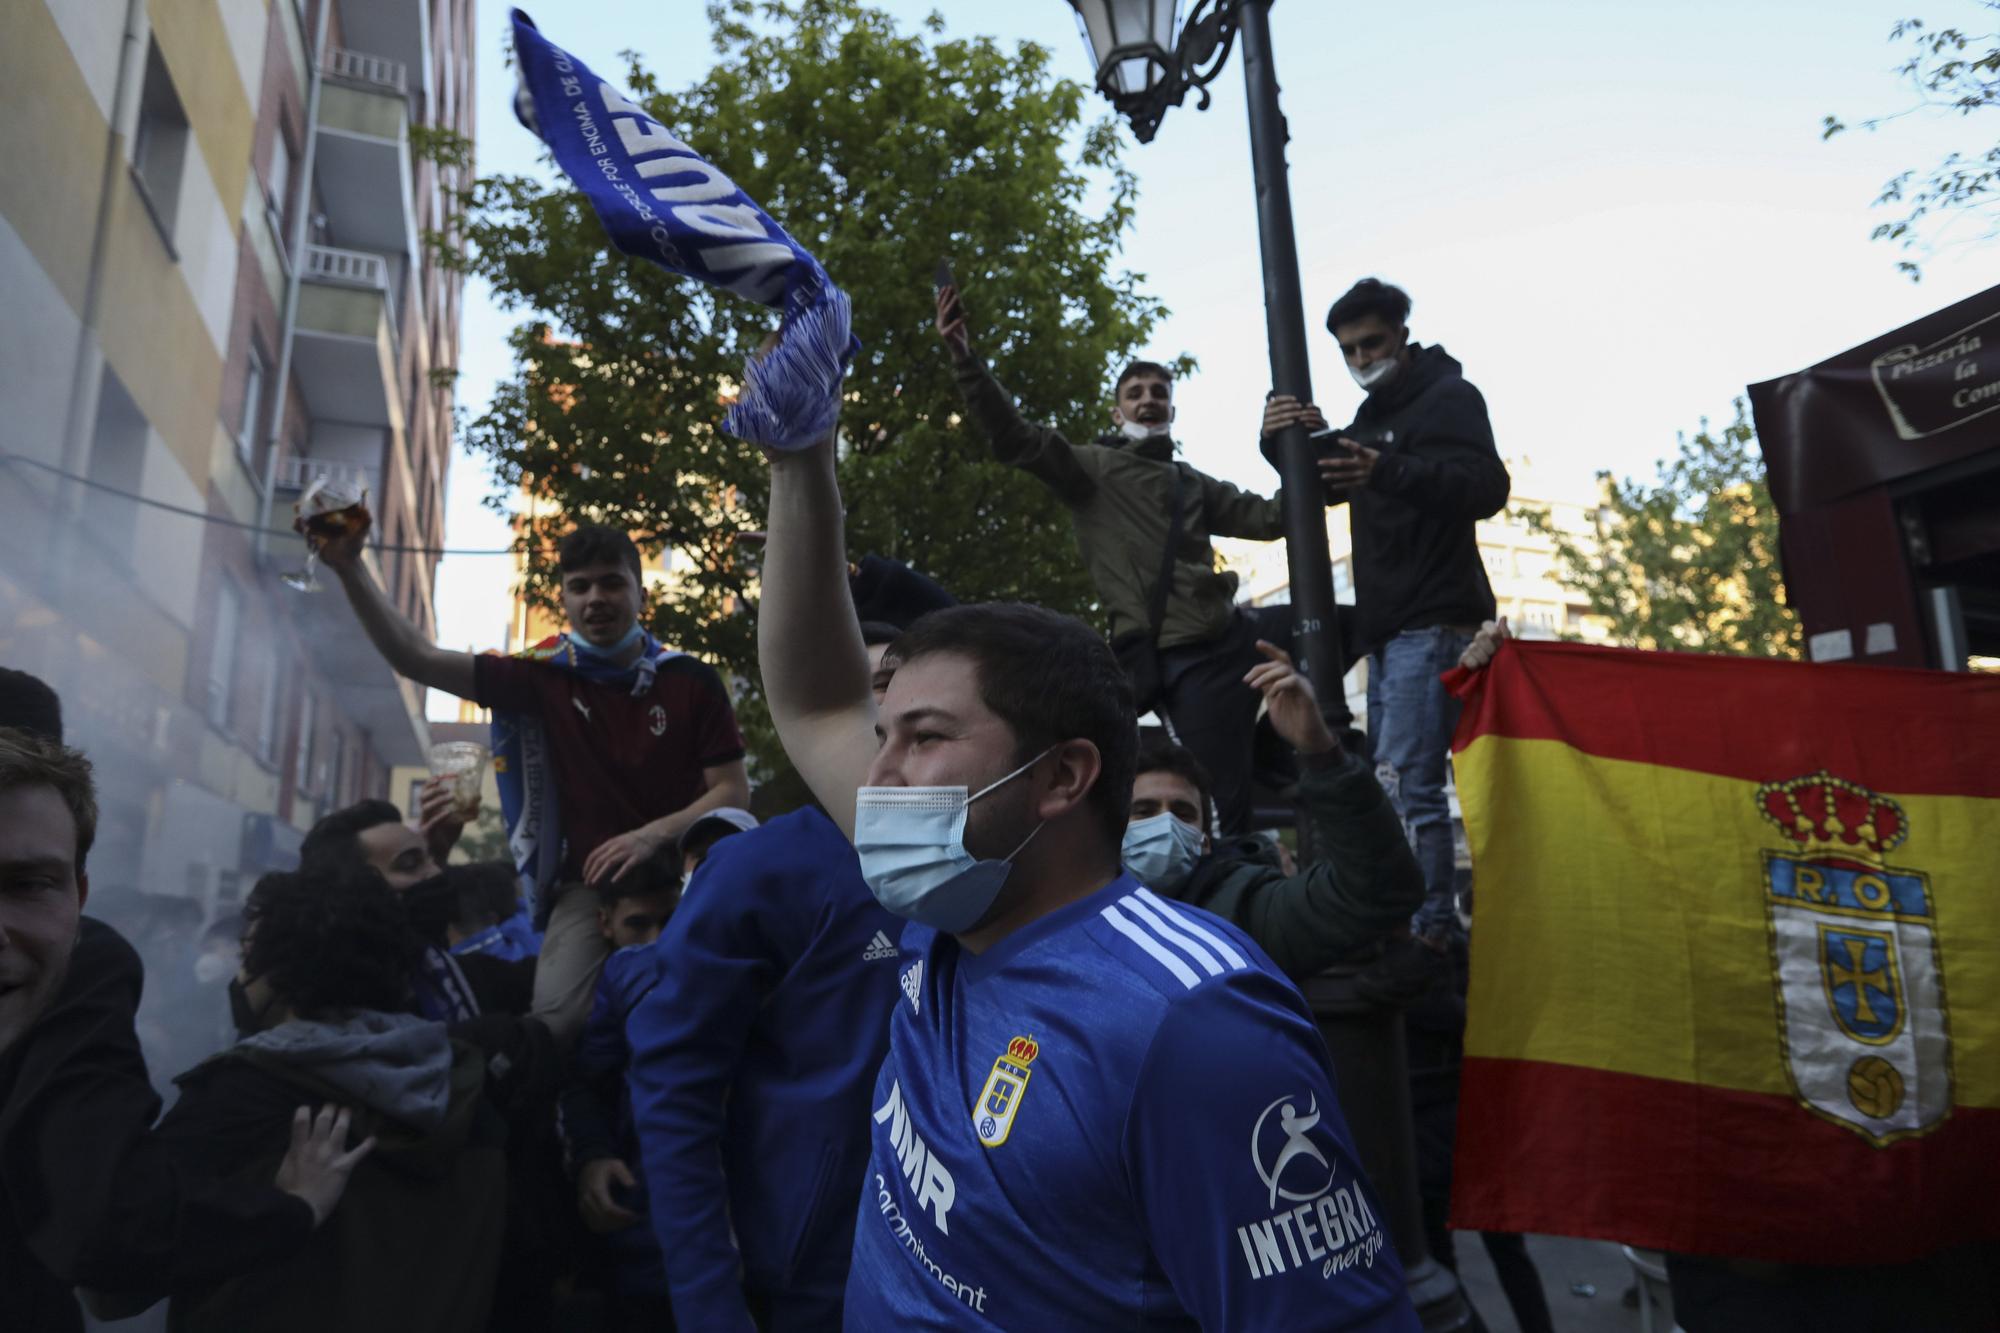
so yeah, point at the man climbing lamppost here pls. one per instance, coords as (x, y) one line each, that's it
(1144, 67)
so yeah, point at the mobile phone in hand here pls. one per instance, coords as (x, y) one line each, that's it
(943, 279)
(1330, 443)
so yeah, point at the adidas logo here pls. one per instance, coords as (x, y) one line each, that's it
(878, 948)
(913, 985)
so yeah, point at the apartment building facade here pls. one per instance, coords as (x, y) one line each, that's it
(212, 222)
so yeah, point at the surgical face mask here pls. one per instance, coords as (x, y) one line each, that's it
(1159, 850)
(212, 967)
(1374, 374)
(912, 846)
(589, 649)
(1136, 431)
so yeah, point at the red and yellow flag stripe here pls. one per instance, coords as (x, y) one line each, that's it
(1631, 1071)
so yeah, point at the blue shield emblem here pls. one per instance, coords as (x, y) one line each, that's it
(1860, 984)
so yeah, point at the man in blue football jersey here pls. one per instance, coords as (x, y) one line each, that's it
(1099, 1108)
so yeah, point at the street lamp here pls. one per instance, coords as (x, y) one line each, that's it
(1146, 63)
(1144, 66)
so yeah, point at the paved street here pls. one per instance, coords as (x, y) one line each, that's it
(1564, 1263)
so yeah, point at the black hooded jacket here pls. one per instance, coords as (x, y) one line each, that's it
(87, 1196)
(1416, 561)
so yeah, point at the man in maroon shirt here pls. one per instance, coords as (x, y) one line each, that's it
(641, 743)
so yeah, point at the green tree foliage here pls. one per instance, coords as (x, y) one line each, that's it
(1688, 561)
(1953, 72)
(882, 151)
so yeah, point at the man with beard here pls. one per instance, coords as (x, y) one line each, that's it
(1418, 470)
(372, 834)
(1143, 521)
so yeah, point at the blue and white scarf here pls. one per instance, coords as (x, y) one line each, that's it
(525, 775)
(659, 200)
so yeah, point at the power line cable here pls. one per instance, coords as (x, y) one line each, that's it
(9, 458)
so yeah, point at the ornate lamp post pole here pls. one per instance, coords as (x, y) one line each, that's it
(1145, 66)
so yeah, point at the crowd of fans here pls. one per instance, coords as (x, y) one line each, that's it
(978, 1037)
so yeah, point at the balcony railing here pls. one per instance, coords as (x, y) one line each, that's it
(359, 67)
(350, 268)
(296, 474)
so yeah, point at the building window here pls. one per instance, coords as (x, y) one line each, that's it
(222, 652)
(118, 464)
(279, 197)
(302, 770)
(159, 144)
(1496, 562)
(267, 715)
(337, 770)
(249, 429)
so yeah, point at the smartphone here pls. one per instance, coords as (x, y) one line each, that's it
(1327, 443)
(944, 279)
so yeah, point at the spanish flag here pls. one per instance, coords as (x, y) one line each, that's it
(1736, 954)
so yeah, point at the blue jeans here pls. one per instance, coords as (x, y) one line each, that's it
(1410, 721)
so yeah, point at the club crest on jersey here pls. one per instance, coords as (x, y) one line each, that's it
(656, 718)
(999, 1101)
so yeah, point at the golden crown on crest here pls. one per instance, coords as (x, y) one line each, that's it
(1823, 812)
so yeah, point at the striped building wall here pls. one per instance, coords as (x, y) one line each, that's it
(211, 227)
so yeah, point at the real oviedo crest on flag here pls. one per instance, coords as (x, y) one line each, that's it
(1855, 958)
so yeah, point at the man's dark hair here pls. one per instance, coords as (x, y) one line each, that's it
(335, 842)
(1160, 755)
(658, 873)
(1151, 370)
(28, 704)
(1370, 296)
(488, 892)
(31, 760)
(1050, 678)
(330, 940)
(593, 544)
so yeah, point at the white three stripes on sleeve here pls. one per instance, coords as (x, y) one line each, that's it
(1187, 922)
(1152, 932)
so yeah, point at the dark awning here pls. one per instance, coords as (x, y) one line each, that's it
(1898, 405)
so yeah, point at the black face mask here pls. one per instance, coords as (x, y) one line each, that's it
(249, 1021)
(430, 905)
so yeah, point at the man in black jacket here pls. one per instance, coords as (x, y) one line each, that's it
(321, 1004)
(1418, 470)
(87, 1196)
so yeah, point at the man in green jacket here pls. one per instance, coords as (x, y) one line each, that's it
(1360, 880)
(1121, 492)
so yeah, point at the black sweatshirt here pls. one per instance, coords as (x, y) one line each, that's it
(1416, 560)
(87, 1196)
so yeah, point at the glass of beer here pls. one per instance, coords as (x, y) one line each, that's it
(464, 762)
(331, 507)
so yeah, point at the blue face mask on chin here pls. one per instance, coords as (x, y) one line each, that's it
(589, 649)
(912, 846)
(1160, 850)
